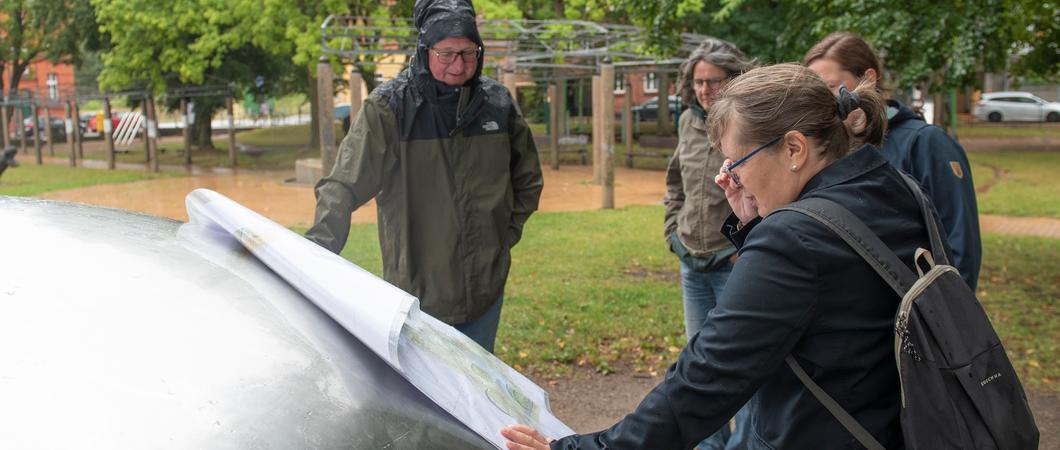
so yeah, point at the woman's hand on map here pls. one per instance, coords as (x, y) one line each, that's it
(522, 437)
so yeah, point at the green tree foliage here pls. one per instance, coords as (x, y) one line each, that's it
(1039, 41)
(34, 29)
(928, 43)
(166, 45)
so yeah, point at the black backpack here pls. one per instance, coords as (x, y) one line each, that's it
(958, 388)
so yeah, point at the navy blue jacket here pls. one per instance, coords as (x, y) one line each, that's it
(798, 289)
(938, 162)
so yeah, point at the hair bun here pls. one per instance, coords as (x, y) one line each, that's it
(846, 102)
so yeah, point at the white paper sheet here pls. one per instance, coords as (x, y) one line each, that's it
(451, 369)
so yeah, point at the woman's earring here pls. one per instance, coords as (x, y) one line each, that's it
(794, 167)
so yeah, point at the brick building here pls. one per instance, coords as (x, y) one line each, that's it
(46, 81)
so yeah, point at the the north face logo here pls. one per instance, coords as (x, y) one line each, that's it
(490, 126)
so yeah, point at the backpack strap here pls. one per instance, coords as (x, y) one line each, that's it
(860, 238)
(869, 246)
(938, 251)
(849, 422)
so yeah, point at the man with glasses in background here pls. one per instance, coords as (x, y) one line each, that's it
(454, 171)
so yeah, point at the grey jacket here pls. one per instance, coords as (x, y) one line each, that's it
(696, 208)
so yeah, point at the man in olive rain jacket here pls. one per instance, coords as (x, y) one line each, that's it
(453, 168)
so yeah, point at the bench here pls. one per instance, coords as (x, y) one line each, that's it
(577, 143)
(652, 141)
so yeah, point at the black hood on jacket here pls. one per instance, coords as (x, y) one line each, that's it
(437, 20)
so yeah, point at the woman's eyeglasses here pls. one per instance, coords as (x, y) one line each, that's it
(736, 178)
(469, 55)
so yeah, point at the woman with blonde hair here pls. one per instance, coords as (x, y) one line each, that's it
(797, 288)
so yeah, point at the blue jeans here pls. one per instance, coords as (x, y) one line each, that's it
(701, 293)
(484, 329)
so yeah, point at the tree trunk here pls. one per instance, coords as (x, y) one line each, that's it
(942, 111)
(314, 135)
(202, 129)
(16, 76)
(4, 95)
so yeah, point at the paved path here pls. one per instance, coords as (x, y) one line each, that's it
(568, 189)
(1022, 226)
(268, 193)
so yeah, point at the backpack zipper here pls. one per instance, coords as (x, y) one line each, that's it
(903, 316)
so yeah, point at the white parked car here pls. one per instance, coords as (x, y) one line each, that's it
(1016, 106)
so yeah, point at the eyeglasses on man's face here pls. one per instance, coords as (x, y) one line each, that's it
(712, 83)
(448, 57)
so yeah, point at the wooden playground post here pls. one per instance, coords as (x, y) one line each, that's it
(152, 133)
(326, 109)
(20, 131)
(356, 100)
(125, 131)
(564, 117)
(598, 173)
(108, 134)
(607, 128)
(36, 132)
(78, 142)
(663, 115)
(231, 132)
(185, 119)
(508, 79)
(3, 119)
(70, 133)
(627, 123)
(553, 123)
(48, 134)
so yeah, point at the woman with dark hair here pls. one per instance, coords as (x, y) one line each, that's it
(695, 206)
(924, 151)
(797, 289)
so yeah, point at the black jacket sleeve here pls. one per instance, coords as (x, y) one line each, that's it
(768, 303)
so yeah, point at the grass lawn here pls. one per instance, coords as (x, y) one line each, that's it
(31, 179)
(1019, 287)
(599, 289)
(282, 136)
(1027, 185)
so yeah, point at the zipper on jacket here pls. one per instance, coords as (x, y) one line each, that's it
(460, 105)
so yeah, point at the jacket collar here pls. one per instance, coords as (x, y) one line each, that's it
(700, 113)
(859, 162)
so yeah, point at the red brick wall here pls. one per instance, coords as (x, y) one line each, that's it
(36, 81)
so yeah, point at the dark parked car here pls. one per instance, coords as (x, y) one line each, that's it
(126, 331)
(58, 128)
(649, 110)
(83, 122)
